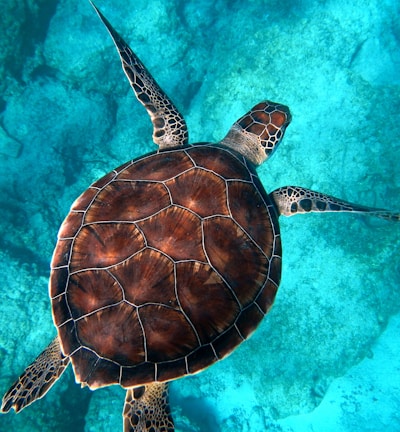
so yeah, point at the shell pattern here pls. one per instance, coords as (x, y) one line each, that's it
(164, 266)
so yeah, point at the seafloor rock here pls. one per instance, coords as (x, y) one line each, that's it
(23, 26)
(59, 151)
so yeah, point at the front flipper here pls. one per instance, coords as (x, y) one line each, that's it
(37, 378)
(147, 409)
(169, 127)
(291, 200)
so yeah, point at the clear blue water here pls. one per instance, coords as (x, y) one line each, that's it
(327, 357)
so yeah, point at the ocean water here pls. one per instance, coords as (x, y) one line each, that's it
(327, 357)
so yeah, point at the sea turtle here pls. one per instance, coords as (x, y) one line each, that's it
(166, 264)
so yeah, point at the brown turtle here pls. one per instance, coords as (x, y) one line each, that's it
(170, 261)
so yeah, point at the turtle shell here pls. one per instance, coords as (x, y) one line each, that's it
(164, 266)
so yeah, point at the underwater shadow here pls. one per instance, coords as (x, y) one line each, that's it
(75, 402)
(198, 411)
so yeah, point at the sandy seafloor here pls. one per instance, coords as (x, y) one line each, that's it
(327, 357)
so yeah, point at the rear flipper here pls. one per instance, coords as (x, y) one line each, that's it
(147, 409)
(291, 200)
(37, 378)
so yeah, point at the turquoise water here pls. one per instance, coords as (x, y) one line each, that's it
(327, 356)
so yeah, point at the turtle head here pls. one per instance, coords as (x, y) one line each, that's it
(257, 134)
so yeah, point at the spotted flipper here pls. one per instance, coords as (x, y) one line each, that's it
(291, 200)
(257, 134)
(169, 127)
(147, 409)
(37, 378)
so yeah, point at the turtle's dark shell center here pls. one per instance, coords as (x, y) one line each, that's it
(164, 266)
